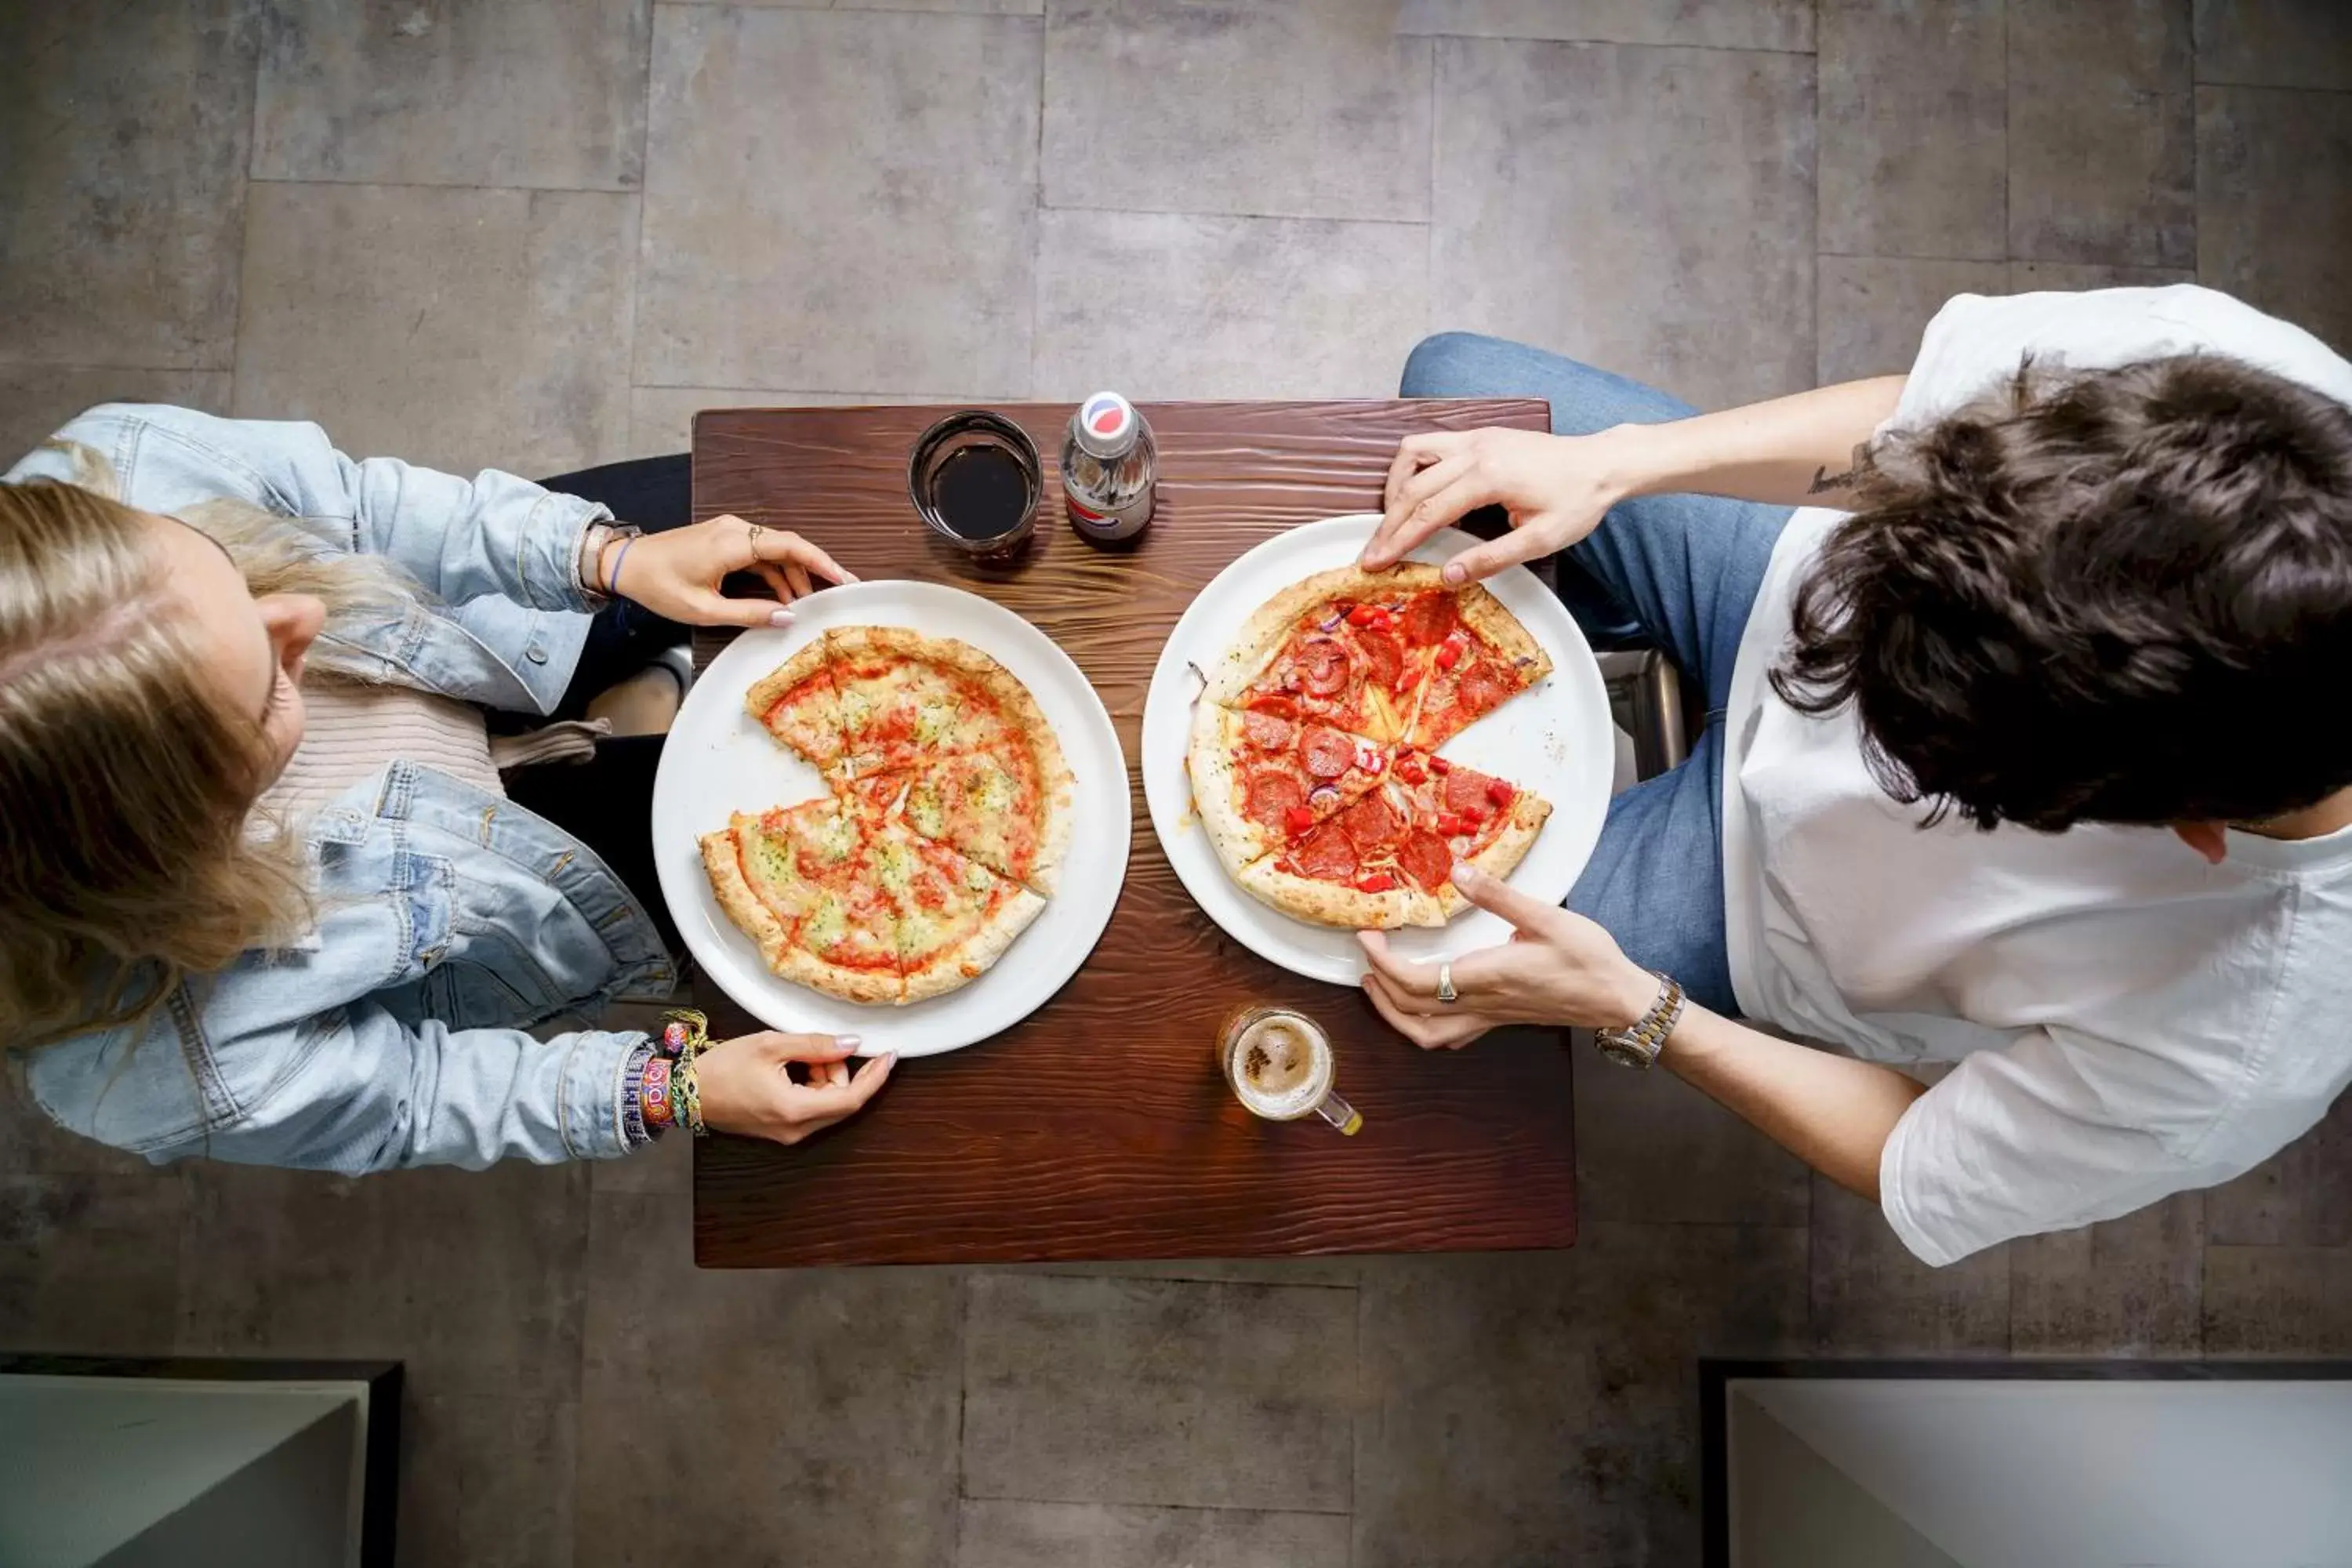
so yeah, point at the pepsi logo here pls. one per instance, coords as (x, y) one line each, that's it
(1105, 415)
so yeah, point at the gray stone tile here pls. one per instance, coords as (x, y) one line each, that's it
(1647, 210)
(667, 1168)
(2101, 165)
(2028, 277)
(35, 399)
(1003, 1534)
(31, 1143)
(804, 1415)
(1649, 1148)
(1338, 1273)
(1543, 1407)
(2275, 42)
(901, 257)
(661, 419)
(1172, 305)
(546, 93)
(2278, 1301)
(2274, 222)
(1871, 1294)
(2300, 1196)
(977, 7)
(1718, 23)
(2132, 1286)
(473, 1278)
(90, 1265)
(458, 329)
(1913, 128)
(487, 1481)
(1173, 1393)
(124, 131)
(1874, 308)
(1314, 108)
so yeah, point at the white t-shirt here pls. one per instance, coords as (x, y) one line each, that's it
(2128, 1020)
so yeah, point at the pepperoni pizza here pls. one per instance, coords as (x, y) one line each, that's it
(1315, 756)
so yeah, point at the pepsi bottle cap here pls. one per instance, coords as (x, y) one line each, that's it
(1105, 424)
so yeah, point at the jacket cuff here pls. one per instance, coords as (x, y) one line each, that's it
(595, 1124)
(551, 551)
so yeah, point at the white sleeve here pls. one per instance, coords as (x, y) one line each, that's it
(2044, 1134)
(1976, 342)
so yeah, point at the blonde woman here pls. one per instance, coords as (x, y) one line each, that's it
(263, 895)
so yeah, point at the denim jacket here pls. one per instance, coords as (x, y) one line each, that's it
(449, 921)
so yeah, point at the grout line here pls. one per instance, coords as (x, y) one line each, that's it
(519, 189)
(1620, 43)
(1273, 218)
(2195, 82)
(1169, 1507)
(1969, 260)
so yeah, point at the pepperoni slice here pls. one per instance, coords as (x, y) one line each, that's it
(1424, 858)
(1274, 702)
(1465, 791)
(1326, 855)
(1267, 732)
(1482, 689)
(1272, 793)
(1372, 822)
(1383, 656)
(1428, 618)
(1323, 665)
(1327, 752)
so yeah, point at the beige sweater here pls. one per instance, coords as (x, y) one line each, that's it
(351, 731)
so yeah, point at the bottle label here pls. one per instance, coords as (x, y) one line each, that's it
(1115, 524)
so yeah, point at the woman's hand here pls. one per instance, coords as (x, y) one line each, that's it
(1557, 968)
(1556, 488)
(676, 573)
(747, 1085)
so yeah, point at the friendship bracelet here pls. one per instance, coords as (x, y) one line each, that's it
(686, 1035)
(654, 1096)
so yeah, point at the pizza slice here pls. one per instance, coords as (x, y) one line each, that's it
(1009, 807)
(1261, 776)
(1480, 658)
(799, 881)
(1458, 814)
(1325, 877)
(954, 917)
(1326, 648)
(905, 697)
(796, 703)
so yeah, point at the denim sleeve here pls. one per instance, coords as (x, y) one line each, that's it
(373, 1093)
(493, 534)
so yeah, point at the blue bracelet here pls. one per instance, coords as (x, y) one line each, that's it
(613, 581)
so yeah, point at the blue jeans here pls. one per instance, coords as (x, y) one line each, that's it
(1682, 572)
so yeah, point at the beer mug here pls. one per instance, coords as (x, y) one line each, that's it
(1278, 1064)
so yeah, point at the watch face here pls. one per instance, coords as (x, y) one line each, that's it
(1623, 1055)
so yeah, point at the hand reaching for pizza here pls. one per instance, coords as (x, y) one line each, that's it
(747, 1084)
(1557, 968)
(1556, 488)
(676, 572)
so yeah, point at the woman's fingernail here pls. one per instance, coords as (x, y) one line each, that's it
(780, 618)
(849, 1042)
(1463, 873)
(1453, 574)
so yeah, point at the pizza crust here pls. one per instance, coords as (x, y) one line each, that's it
(1330, 904)
(1263, 635)
(722, 862)
(1499, 859)
(1486, 615)
(1217, 787)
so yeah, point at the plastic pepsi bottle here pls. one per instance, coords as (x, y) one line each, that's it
(1108, 467)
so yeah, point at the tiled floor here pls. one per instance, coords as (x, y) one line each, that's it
(540, 233)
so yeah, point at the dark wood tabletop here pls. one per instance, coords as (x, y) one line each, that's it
(1099, 1127)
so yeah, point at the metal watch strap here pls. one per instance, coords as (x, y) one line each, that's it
(1638, 1045)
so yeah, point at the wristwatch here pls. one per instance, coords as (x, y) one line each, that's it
(1638, 1044)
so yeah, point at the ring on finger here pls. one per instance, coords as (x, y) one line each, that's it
(752, 538)
(1446, 992)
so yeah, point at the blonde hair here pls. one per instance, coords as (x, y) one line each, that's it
(126, 863)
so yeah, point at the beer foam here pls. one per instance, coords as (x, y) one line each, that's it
(1280, 1070)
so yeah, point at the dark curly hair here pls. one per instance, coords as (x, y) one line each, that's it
(2121, 596)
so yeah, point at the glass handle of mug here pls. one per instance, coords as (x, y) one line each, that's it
(1340, 1114)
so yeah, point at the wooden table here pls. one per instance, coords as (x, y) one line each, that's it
(1099, 1127)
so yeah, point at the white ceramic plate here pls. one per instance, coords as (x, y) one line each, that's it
(1554, 738)
(718, 761)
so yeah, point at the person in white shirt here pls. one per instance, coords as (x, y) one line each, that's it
(2024, 749)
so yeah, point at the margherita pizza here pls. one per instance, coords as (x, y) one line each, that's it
(943, 834)
(1314, 754)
